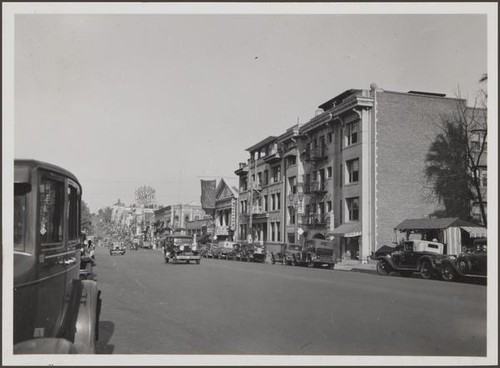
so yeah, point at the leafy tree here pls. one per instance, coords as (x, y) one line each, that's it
(105, 214)
(455, 158)
(145, 196)
(86, 219)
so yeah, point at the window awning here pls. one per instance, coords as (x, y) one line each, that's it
(475, 231)
(348, 230)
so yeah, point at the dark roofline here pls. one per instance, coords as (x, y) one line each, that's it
(338, 99)
(261, 143)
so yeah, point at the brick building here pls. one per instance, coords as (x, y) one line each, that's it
(351, 173)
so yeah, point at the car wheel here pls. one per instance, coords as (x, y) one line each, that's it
(406, 273)
(331, 266)
(166, 260)
(426, 270)
(464, 265)
(383, 267)
(448, 273)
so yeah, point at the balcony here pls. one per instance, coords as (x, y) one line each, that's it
(315, 219)
(273, 157)
(258, 211)
(315, 187)
(316, 154)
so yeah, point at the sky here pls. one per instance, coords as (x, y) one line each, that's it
(166, 100)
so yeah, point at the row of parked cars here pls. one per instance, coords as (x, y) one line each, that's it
(315, 253)
(427, 259)
(234, 251)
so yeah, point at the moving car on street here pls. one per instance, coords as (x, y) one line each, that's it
(55, 312)
(413, 256)
(180, 248)
(117, 248)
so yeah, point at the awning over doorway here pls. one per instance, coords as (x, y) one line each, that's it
(475, 231)
(348, 230)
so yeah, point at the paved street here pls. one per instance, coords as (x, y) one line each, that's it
(230, 307)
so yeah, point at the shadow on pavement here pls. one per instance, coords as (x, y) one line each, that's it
(106, 329)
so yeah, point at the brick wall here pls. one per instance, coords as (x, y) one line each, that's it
(406, 126)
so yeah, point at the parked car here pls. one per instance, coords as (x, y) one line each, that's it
(54, 310)
(413, 256)
(471, 264)
(180, 248)
(213, 250)
(226, 250)
(318, 253)
(290, 254)
(117, 248)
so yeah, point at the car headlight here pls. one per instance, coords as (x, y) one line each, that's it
(389, 256)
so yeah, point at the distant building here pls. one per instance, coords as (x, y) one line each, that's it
(226, 209)
(174, 218)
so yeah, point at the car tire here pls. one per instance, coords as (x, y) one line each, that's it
(383, 267)
(426, 270)
(448, 272)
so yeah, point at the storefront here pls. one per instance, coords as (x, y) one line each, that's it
(349, 237)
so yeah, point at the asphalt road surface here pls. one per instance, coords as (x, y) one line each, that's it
(232, 307)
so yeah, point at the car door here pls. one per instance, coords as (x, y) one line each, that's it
(408, 254)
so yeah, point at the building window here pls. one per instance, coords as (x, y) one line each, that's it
(340, 176)
(353, 208)
(329, 172)
(293, 184)
(291, 215)
(291, 238)
(482, 175)
(352, 171)
(259, 178)
(291, 160)
(266, 177)
(278, 200)
(278, 232)
(265, 203)
(352, 130)
(329, 206)
(244, 184)
(341, 212)
(276, 174)
(273, 234)
(329, 137)
(273, 204)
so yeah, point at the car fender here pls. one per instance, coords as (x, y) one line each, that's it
(433, 260)
(388, 260)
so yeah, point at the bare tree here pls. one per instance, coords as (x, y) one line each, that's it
(145, 196)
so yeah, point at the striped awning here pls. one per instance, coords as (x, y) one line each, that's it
(475, 231)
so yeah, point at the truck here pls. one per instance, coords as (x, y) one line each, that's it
(318, 253)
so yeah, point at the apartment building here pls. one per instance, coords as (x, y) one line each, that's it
(351, 173)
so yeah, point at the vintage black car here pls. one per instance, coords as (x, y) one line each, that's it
(55, 311)
(117, 248)
(180, 248)
(466, 265)
(411, 257)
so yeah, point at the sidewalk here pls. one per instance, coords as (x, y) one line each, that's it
(356, 266)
